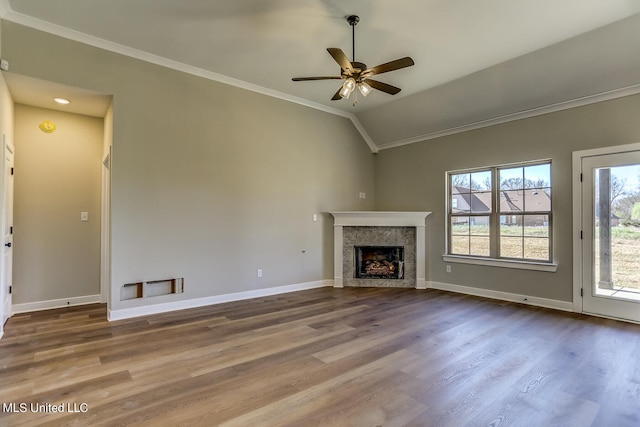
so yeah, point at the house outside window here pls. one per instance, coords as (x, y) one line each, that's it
(501, 212)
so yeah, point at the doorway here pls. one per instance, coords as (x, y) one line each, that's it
(57, 209)
(31, 93)
(608, 275)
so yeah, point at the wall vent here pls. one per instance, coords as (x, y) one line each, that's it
(152, 288)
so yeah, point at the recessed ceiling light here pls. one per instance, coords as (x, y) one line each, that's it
(63, 101)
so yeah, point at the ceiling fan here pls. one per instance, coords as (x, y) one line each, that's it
(356, 74)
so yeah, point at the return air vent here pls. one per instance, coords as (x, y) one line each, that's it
(151, 288)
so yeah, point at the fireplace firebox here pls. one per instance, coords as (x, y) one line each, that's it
(379, 262)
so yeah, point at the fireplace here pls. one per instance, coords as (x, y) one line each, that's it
(394, 241)
(379, 262)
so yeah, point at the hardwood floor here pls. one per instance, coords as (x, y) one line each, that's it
(328, 357)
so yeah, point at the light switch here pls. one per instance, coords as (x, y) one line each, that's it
(84, 216)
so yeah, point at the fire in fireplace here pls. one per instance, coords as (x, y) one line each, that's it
(379, 262)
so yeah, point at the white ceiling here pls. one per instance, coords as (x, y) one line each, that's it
(476, 60)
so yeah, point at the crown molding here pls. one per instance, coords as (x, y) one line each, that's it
(533, 112)
(8, 14)
(28, 21)
(372, 145)
(100, 43)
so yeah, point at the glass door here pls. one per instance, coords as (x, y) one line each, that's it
(611, 235)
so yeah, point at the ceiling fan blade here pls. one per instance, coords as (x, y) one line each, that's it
(391, 90)
(336, 96)
(342, 60)
(304, 79)
(389, 66)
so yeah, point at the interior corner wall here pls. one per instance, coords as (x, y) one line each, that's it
(6, 101)
(6, 118)
(55, 254)
(6, 109)
(209, 182)
(412, 177)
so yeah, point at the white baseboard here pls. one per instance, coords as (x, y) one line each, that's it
(54, 303)
(127, 313)
(504, 296)
(238, 296)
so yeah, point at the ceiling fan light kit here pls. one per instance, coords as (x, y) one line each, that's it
(356, 74)
(364, 87)
(347, 87)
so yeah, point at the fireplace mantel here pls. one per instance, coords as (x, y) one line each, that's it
(380, 219)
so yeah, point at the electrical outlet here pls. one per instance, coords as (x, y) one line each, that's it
(363, 195)
(448, 269)
(259, 272)
(4, 64)
(315, 217)
(84, 216)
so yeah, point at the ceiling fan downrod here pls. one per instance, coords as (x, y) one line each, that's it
(353, 21)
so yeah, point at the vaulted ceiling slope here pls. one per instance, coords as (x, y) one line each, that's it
(477, 62)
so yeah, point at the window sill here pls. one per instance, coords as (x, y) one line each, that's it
(492, 262)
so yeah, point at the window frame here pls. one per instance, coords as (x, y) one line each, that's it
(495, 258)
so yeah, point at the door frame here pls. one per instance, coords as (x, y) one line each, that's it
(105, 232)
(576, 168)
(5, 311)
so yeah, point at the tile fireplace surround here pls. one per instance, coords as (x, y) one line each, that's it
(379, 228)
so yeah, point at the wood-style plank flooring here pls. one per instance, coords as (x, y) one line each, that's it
(323, 357)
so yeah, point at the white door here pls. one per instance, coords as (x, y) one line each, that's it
(7, 230)
(611, 235)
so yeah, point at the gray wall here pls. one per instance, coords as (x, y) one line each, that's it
(209, 182)
(57, 176)
(413, 178)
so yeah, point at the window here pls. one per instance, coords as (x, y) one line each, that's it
(501, 212)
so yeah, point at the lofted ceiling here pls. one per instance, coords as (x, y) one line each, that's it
(477, 62)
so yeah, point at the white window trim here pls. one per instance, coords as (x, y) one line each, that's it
(487, 261)
(505, 263)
